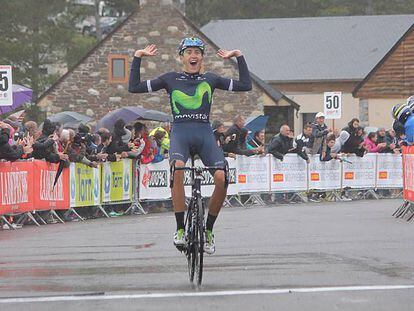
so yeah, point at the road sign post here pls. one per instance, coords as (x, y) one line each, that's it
(6, 86)
(332, 105)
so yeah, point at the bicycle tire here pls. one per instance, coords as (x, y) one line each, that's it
(200, 250)
(190, 243)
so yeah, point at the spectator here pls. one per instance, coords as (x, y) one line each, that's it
(166, 129)
(138, 139)
(340, 141)
(326, 153)
(257, 141)
(352, 127)
(12, 153)
(382, 138)
(301, 143)
(351, 145)
(371, 145)
(158, 149)
(281, 143)
(77, 151)
(106, 139)
(117, 145)
(242, 145)
(234, 132)
(393, 140)
(142, 141)
(45, 147)
(31, 129)
(221, 140)
(319, 132)
(92, 151)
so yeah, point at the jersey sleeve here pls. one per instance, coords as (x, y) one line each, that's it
(243, 84)
(137, 86)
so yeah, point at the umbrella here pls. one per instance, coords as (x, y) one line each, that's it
(154, 115)
(69, 118)
(255, 124)
(127, 114)
(131, 113)
(19, 115)
(21, 95)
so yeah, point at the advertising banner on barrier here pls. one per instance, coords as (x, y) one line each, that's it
(207, 184)
(253, 174)
(389, 171)
(117, 181)
(289, 174)
(47, 197)
(324, 175)
(85, 185)
(16, 187)
(360, 173)
(408, 169)
(154, 181)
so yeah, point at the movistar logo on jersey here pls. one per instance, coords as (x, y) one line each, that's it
(191, 102)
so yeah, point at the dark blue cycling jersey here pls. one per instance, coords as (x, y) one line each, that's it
(190, 94)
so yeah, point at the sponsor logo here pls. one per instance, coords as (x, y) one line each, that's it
(13, 188)
(47, 192)
(242, 179)
(191, 102)
(278, 177)
(383, 175)
(155, 179)
(349, 175)
(315, 177)
(126, 182)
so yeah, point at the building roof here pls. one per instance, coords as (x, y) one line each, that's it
(311, 49)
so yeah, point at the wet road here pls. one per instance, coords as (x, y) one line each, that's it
(322, 253)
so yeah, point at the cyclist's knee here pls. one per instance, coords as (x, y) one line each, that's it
(178, 163)
(219, 178)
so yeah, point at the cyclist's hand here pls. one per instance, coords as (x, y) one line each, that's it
(228, 54)
(150, 50)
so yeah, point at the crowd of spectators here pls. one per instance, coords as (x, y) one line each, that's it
(330, 144)
(52, 142)
(56, 144)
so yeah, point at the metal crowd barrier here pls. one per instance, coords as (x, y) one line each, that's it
(26, 187)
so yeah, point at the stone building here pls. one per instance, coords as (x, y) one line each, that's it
(99, 82)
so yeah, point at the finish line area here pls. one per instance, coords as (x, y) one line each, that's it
(344, 256)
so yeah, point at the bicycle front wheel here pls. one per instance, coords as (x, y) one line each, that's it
(200, 233)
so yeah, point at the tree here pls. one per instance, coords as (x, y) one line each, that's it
(33, 34)
(201, 12)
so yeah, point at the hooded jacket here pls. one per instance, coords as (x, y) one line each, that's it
(7, 152)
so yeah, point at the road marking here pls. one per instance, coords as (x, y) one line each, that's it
(207, 294)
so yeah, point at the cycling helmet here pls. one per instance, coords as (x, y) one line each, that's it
(191, 42)
(401, 112)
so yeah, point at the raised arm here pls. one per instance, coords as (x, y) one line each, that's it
(244, 83)
(135, 83)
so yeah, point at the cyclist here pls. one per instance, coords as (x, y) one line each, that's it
(191, 93)
(404, 121)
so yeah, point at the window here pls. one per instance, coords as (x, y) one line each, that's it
(118, 68)
(307, 118)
